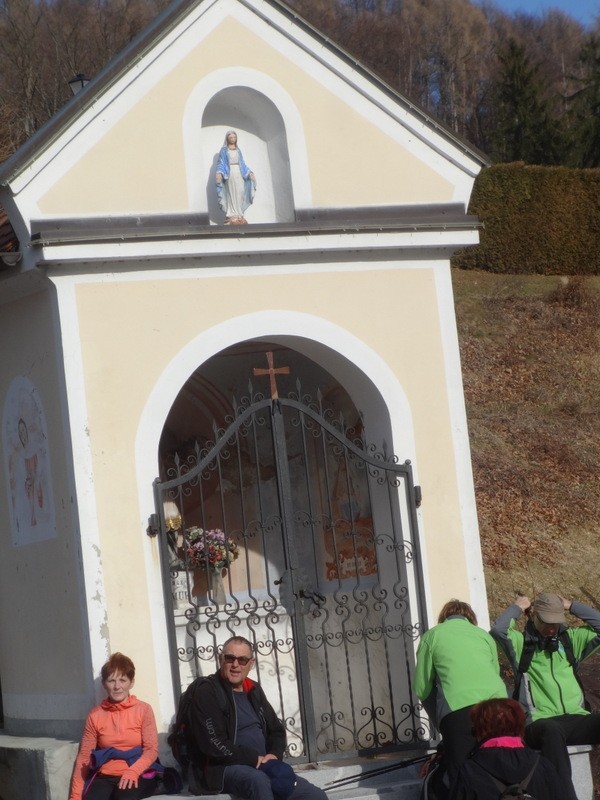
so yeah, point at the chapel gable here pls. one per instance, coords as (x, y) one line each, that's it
(318, 131)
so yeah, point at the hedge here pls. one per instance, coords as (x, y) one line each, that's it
(537, 220)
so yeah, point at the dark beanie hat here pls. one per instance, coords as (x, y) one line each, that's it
(283, 778)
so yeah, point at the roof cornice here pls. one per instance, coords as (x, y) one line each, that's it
(313, 221)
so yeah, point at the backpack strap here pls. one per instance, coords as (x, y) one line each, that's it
(520, 787)
(567, 644)
(530, 642)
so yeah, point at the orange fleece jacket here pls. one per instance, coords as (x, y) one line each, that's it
(121, 725)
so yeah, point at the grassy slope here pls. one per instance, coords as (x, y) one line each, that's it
(530, 348)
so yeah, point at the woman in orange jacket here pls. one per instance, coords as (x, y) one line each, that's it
(119, 744)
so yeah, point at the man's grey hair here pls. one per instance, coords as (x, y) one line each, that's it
(239, 640)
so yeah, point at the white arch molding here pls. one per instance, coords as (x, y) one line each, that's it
(200, 144)
(365, 375)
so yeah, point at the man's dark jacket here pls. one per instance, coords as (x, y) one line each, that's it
(213, 722)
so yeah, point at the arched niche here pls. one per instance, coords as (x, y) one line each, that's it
(270, 134)
(263, 141)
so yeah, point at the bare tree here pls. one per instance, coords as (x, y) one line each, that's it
(444, 55)
(44, 43)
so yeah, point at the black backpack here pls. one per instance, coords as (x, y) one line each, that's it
(180, 739)
(514, 791)
(435, 782)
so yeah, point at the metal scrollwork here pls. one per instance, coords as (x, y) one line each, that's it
(323, 584)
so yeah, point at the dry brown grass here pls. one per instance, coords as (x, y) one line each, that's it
(530, 348)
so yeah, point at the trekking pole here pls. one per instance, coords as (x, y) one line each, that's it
(373, 773)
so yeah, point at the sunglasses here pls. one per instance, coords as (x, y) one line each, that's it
(228, 658)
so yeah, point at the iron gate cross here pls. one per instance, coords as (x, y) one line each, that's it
(271, 372)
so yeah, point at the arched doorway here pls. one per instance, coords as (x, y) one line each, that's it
(279, 522)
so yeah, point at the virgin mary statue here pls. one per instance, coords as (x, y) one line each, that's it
(236, 183)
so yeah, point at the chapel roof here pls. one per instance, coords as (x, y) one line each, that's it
(158, 28)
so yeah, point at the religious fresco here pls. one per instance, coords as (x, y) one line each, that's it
(349, 540)
(27, 465)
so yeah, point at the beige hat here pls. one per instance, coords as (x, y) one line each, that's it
(549, 608)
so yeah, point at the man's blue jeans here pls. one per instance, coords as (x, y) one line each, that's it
(253, 784)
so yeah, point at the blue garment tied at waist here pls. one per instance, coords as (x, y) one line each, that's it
(169, 776)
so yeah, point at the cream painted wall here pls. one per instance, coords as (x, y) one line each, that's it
(352, 161)
(43, 628)
(131, 330)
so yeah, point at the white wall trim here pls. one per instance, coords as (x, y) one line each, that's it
(91, 554)
(462, 450)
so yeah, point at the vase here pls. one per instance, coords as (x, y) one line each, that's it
(218, 588)
(208, 588)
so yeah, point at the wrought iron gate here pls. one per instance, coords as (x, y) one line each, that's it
(290, 530)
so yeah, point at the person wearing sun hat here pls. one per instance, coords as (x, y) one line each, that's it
(544, 658)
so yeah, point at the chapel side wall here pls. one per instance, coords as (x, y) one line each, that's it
(43, 630)
(127, 339)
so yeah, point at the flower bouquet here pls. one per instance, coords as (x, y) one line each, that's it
(210, 550)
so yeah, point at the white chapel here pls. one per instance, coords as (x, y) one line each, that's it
(211, 428)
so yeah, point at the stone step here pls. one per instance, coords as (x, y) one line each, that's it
(40, 769)
(400, 784)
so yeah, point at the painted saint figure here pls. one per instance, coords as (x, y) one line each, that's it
(33, 488)
(236, 183)
(27, 464)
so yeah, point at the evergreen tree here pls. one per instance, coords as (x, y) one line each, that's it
(585, 109)
(522, 128)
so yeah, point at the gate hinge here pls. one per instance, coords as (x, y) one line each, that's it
(418, 496)
(153, 528)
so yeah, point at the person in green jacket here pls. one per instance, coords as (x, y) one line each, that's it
(549, 689)
(457, 667)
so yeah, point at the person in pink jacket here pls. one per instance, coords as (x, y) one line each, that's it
(119, 744)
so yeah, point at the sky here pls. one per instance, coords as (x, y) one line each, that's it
(585, 11)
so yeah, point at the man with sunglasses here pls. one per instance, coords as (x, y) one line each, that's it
(238, 740)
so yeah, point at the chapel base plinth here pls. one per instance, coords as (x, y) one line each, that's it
(40, 769)
(35, 768)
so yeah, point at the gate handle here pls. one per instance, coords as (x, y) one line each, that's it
(312, 594)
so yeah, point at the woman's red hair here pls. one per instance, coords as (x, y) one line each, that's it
(120, 664)
(498, 717)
